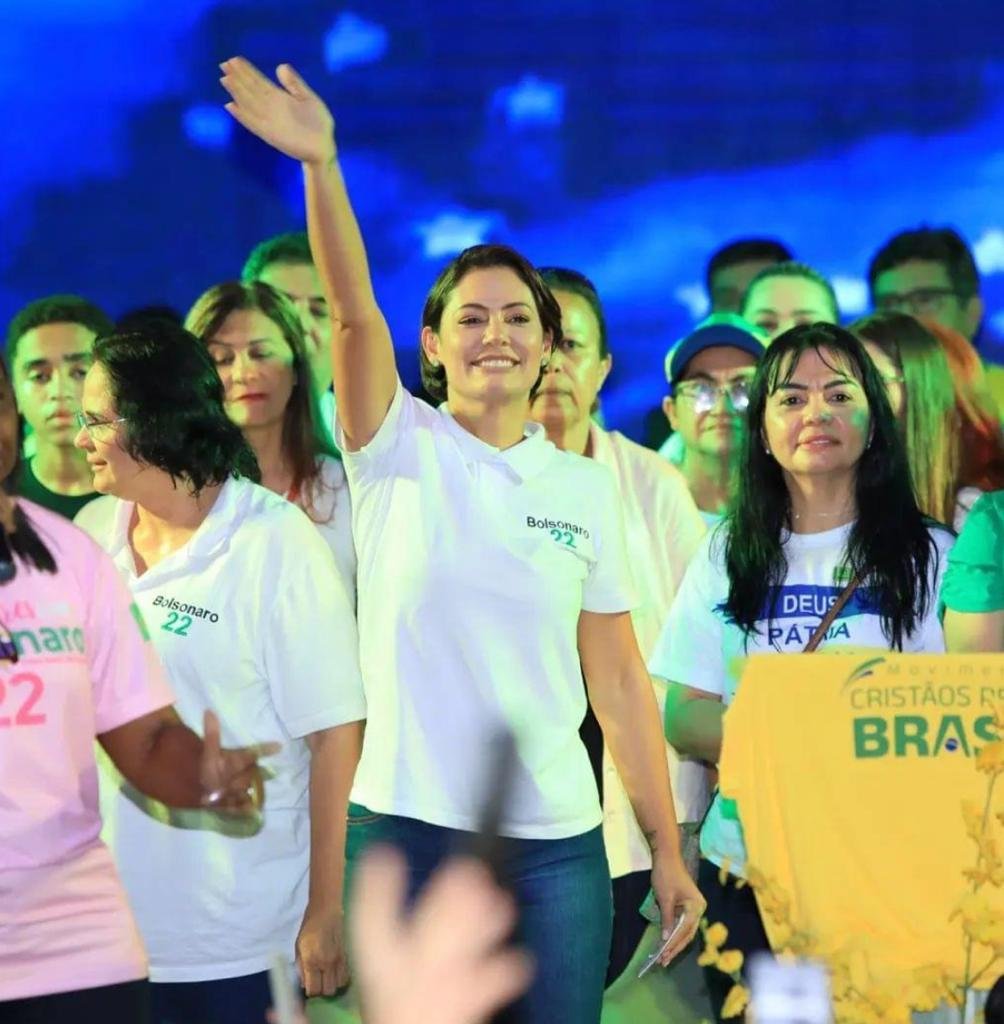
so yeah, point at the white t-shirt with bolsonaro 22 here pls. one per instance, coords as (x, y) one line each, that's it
(474, 566)
(251, 618)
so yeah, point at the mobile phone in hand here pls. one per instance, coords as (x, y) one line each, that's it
(653, 958)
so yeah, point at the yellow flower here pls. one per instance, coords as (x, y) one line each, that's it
(730, 961)
(972, 815)
(991, 758)
(736, 1001)
(715, 935)
(709, 958)
(927, 988)
(982, 921)
(723, 871)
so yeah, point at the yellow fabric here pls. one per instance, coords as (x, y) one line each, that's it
(848, 776)
(995, 382)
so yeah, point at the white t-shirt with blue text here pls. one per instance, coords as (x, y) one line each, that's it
(701, 648)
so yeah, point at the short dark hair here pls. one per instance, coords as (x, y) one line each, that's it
(136, 319)
(303, 440)
(939, 245)
(56, 309)
(793, 268)
(745, 250)
(562, 279)
(169, 393)
(291, 247)
(482, 257)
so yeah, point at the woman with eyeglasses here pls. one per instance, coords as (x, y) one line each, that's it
(249, 614)
(824, 506)
(952, 460)
(664, 528)
(256, 341)
(708, 373)
(75, 667)
(492, 579)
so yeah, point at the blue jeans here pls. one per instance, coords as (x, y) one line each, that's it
(243, 1000)
(562, 889)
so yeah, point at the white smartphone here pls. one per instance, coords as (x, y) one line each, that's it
(653, 958)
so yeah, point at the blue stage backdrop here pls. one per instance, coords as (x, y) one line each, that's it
(625, 139)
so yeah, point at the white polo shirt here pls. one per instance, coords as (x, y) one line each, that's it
(252, 619)
(328, 505)
(474, 566)
(664, 529)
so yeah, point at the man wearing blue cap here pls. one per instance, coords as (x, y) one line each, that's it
(708, 373)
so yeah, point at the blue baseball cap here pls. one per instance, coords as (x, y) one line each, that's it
(720, 330)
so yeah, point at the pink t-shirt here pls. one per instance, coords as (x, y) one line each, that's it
(84, 669)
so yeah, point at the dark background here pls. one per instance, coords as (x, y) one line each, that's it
(626, 139)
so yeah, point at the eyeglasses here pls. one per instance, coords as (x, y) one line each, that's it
(920, 301)
(97, 429)
(705, 396)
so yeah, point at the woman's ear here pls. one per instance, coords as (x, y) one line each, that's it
(430, 346)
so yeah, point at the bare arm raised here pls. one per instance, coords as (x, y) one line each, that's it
(291, 117)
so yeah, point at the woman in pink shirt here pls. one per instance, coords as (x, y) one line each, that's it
(75, 665)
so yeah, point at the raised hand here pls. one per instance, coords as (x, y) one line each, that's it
(231, 779)
(289, 116)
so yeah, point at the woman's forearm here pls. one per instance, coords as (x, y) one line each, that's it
(694, 724)
(334, 754)
(337, 244)
(629, 717)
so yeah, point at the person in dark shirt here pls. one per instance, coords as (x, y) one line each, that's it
(49, 350)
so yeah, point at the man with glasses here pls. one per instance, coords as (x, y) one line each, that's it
(929, 272)
(49, 351)
(708, 373)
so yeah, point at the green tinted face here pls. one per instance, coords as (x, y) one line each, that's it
(923, 288)
(49, 370)
(575, 371)
(776, 304)
(717, 430)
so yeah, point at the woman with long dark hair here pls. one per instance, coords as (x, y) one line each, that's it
(77, 668)
(937, 405)
(824, 507)
(238, 589)
(257, 343)
(493, 577)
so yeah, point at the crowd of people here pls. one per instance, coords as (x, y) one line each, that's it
(350, 589)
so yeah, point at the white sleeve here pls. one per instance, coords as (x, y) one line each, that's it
(376, 459)
(690, 647)
(609, 587)
(311, 648)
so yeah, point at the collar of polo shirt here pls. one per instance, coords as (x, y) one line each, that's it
(526, 459)
(211, 536)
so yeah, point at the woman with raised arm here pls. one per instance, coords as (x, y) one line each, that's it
(77, 666)
(492, 577)
(249, 615)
